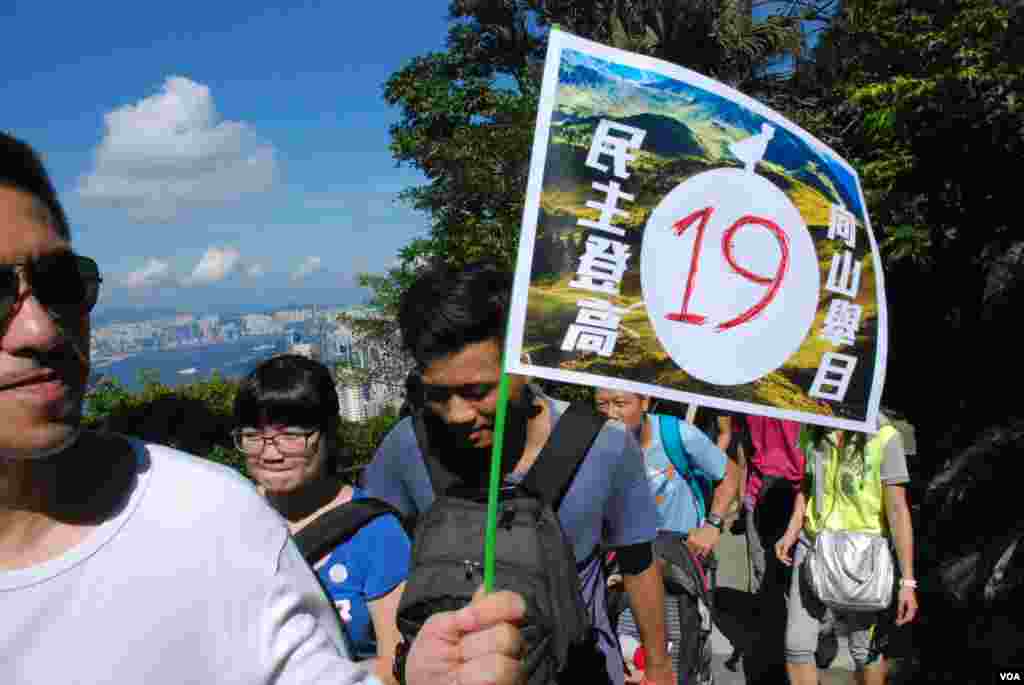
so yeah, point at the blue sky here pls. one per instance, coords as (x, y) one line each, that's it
(209, 153)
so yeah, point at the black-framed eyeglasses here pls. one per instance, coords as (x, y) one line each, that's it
(66, 284)
(251, 441)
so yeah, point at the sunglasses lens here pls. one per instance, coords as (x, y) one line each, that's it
(66, 284)
(8, 289)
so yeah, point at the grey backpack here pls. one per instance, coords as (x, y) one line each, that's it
(533, 555)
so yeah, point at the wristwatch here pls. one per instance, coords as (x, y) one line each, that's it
(716, 521)
(398, 667)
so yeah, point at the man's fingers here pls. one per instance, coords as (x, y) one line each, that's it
(501, 639)
(493, 669)
(487, 610)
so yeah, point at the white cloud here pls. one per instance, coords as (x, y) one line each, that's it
(170, 152)
(255, 270)
(154, 272)
(309, 265)
(216, 264)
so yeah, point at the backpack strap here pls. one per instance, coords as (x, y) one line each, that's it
(338, 525)
(672, 441)
(560, 459)
(441, 479)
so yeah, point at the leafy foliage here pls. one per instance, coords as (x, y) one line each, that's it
(468, 113)
(360, 440)
(923, 97)
(927, 100)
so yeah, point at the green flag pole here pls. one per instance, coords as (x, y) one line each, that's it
(495, 483)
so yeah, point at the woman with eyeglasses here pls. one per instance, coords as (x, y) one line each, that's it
(286, 414)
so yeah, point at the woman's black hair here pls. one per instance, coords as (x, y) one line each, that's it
(291, 390)
(858, 439)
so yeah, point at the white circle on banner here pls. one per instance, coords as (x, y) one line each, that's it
(338, 573)
(748, 331)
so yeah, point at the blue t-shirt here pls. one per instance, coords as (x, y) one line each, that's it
(677, 505)
(609, 493)
(370, 565)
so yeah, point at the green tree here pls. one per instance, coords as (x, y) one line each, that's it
(927, 100)
(468, 113)
(359, 441)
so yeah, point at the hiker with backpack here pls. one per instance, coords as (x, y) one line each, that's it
(567, 474)
(693, 483)
(286, 413)
(851, 508)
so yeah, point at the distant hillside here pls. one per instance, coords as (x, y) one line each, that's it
(105, 315)
(666, 136)
(682, 119)
(580, 75)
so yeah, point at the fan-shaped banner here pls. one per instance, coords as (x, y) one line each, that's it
(683, 241)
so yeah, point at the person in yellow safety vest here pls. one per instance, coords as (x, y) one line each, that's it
(862, 488)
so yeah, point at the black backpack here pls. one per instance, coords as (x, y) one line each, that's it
(533, 556)
(336, 527)
(692, 583)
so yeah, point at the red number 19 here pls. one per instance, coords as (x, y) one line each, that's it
(773, 283)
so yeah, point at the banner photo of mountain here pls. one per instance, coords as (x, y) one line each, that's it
(683, 241)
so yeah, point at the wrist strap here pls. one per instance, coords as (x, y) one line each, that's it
(715, 520)
(908, 582)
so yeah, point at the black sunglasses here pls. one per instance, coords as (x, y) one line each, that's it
(65, 283)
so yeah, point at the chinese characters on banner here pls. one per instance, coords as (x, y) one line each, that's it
(683, 241)
(843, 317)
(604, 260)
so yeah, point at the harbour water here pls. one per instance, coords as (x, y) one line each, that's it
(231, 359)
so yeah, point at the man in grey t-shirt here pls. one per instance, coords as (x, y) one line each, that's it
(452, 323)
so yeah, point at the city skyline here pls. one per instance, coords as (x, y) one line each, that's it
(365, 380)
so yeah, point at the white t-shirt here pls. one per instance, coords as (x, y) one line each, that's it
(195, 580)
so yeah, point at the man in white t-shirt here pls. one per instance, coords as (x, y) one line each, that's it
(126, 562)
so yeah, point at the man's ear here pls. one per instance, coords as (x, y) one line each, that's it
(645, 403)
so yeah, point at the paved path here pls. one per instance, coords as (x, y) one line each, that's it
(738, 619)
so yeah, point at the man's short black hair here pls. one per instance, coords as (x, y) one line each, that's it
(447, 309)
(291, 390)
(21, 169)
